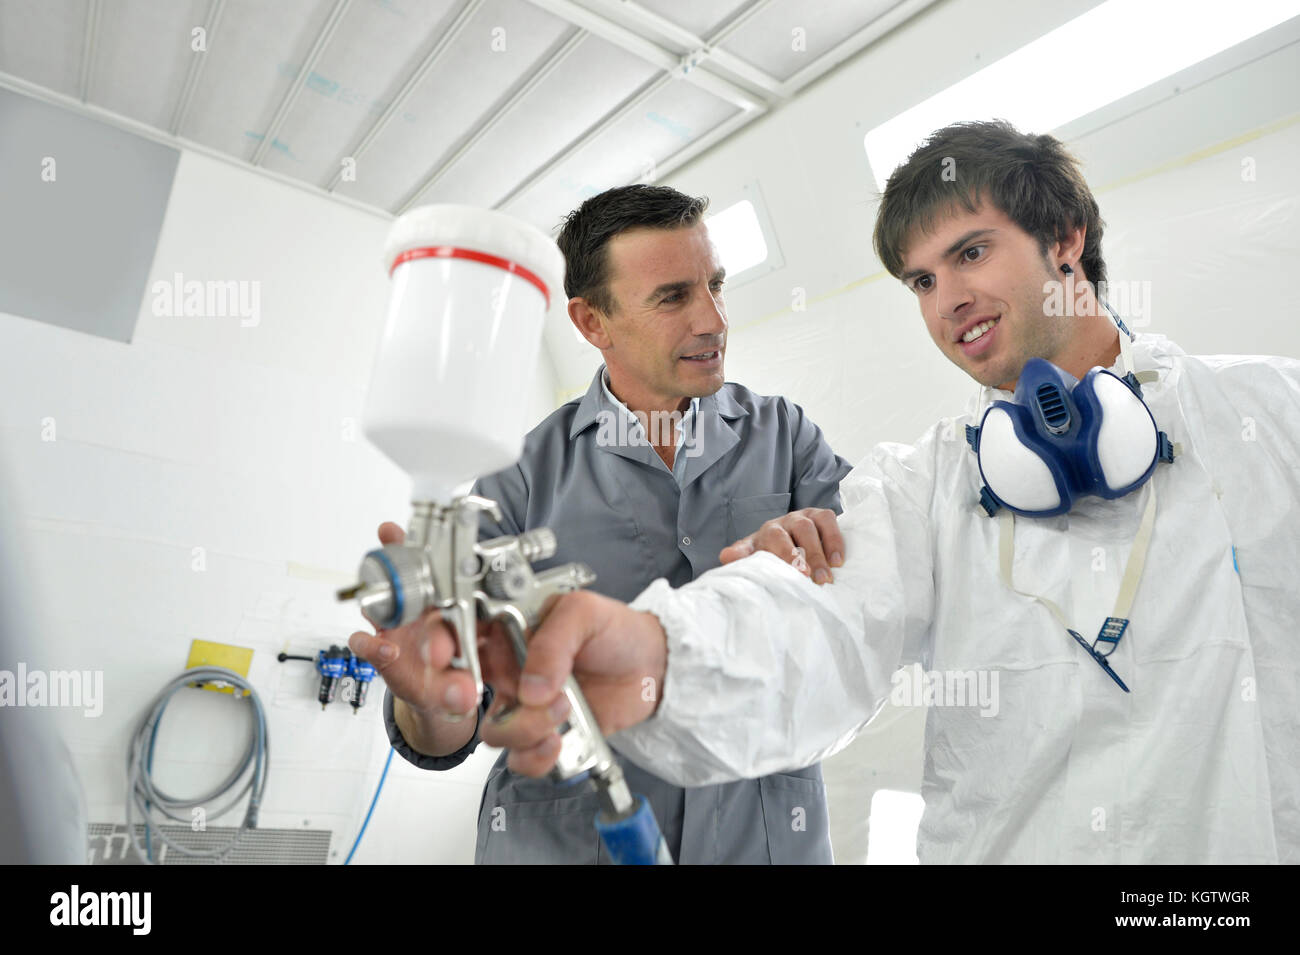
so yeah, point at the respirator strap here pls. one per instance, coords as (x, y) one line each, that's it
(1116, 624)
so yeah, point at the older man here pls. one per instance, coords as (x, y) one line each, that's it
(648, 475)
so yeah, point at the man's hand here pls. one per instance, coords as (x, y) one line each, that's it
(618, 655)
(431, 698)
(809, 539)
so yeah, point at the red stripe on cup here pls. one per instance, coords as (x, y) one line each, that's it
(451, 252)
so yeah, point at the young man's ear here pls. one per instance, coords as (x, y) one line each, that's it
(1069, 250)
(589, 322)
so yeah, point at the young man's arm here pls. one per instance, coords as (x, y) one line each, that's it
(764, 671)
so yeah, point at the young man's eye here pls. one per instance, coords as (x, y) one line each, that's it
(973, 248)
(917, 286)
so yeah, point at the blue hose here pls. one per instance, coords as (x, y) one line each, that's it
(378, 790)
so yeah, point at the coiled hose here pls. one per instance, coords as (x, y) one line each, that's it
(144, 797)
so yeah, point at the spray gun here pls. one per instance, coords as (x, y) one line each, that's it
(442, 565)
(469, 292)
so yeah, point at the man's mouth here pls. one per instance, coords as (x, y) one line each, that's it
(704, 356)
(978, 331)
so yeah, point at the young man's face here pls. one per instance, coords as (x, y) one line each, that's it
(669, 325)
(979, 267)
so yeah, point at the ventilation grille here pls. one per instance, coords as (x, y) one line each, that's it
(1051, 404)
(110, 845)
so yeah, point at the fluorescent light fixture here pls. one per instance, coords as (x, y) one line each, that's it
(892, 827)
(738, 237)
(1111, 51)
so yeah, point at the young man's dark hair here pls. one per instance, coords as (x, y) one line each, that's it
(588, 229)
(1033, 180)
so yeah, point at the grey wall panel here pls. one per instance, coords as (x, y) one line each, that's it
(75, 249)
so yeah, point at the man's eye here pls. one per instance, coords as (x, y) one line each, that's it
(973, 248)
(917, 286)
(675, 297)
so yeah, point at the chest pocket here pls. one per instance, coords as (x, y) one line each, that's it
(747, 514)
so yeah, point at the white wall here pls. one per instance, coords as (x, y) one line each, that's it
(1166, 167)
(242, 441)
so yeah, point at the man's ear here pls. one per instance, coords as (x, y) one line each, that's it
(590, 323)
(1069, 250)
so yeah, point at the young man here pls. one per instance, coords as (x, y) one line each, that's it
(1141, 714)
(645, 287)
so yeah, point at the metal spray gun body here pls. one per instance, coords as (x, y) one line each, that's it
(442, 564)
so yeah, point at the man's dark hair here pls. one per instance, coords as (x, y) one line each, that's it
(1033, 180)
(584, 238)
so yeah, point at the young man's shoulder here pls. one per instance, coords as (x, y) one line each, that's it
(1268, 378)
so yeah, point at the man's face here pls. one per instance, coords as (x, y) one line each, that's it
(978, 267)
(669, 324)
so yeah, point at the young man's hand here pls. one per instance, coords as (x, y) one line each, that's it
(618, 656)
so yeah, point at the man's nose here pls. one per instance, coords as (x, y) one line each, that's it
(710, 318)
(954, 300)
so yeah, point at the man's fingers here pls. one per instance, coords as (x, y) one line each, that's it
(555, 645)
(828, 526)
(741, 548)
(373, 649)
(390, 533)
(536, 761)
(436, 641)
(807, 535)
(414, 660)
(512, 725)
(496, 655)
(808, 539)
(775, 539)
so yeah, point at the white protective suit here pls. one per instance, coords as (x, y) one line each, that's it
(1199, 763)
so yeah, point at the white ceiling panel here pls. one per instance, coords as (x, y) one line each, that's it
(666, 123)
(253, 59)
(591, 82)
(41, 41)
(769, 40)
(494, 55)
(365, 65)
(630, 150)
(701, 17)
(143, 53)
